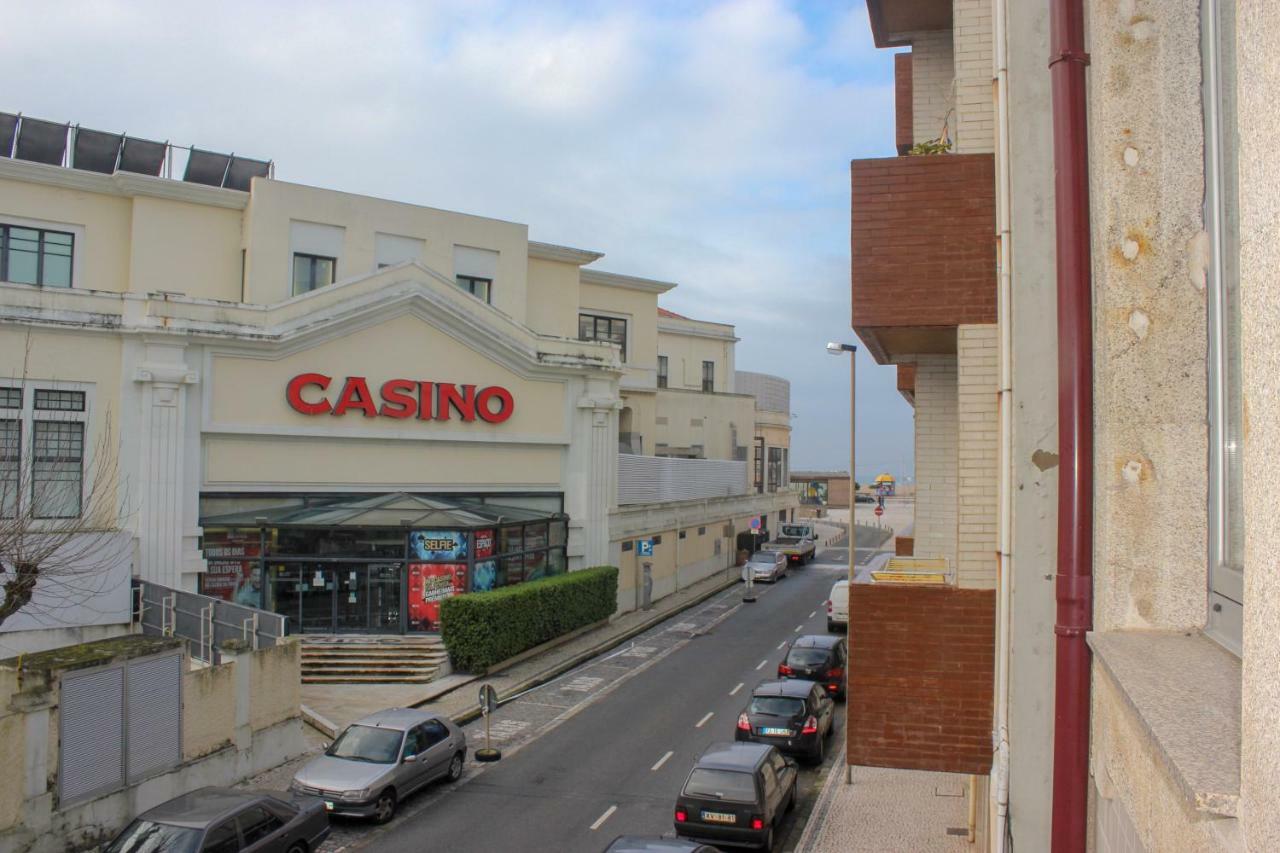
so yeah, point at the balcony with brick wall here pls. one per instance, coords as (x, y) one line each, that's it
(923, 251)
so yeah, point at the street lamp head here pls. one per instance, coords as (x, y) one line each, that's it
(834, 348)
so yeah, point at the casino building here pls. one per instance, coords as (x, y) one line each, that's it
(343, 408)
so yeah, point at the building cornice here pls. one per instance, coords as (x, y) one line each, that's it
(122, 184)
(679, 327)
(564, 254)
(626, 282)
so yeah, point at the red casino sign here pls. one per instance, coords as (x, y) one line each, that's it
(309, 394)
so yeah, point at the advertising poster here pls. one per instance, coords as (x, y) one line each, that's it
(233, 574)
(484, 576)
(814, 493)
(429, 584)
(441, 545)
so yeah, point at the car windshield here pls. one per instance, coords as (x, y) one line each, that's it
(144, 836)
(367, 743)
(807, 657)
(721, 785)
(776, 706)
(764, 559)
(794, 530)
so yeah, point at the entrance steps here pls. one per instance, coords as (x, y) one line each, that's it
(372, 659)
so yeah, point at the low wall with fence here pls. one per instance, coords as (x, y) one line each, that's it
(95, 734)
(660, 479)
(207, 623)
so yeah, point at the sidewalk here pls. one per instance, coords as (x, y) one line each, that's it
(889, 810)
(337, 705)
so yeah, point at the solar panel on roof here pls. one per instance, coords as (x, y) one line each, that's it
(95, 150)
(141, 156)
(206, 167)
(242, 170)
(41, 141)
(8, 125)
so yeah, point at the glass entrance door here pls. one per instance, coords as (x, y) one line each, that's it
(334, 598)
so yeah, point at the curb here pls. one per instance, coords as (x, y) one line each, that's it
(564, 666)
(818, 816)
(318, 721)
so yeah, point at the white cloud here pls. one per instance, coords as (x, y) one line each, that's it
(707, 145)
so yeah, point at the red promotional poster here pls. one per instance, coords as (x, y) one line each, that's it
(232, 573)
(429, 584)
(484, 543)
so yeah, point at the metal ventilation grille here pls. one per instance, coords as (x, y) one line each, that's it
(91, 742)
(154, 715)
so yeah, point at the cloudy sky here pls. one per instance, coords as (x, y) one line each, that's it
(705, 143)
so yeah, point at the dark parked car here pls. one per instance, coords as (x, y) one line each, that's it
(736, 796)
(865, 498)
(644, 844)
(223, 820)
(818, 657)
(795, 716)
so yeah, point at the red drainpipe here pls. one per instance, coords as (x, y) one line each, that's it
(1075, 426)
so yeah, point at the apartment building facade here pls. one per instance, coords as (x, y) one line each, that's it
(1168, 741)
(337, 407)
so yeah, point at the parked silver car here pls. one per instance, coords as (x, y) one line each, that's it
(766, 566)
(378, 761)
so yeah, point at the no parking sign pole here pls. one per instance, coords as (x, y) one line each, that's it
(488, 704)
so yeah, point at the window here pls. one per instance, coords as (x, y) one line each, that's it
(702, 531)
(433, 733)
(222, 839)
(684, 534)
(626, 546)
(311, 272)
(610, 329)
(256, 823)
(1226, 418)
(662, 371)
(35, 256)
(708, 376)
(42, 452)
(478, 287)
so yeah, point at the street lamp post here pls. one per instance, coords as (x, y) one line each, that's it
(841, 349)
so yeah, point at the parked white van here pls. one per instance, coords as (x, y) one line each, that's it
(838, 607)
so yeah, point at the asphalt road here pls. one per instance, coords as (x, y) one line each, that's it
(603, 750)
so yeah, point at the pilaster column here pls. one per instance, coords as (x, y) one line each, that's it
(158, 493)
(591, 484)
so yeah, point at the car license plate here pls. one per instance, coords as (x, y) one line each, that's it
(719, 817)
(776, 732)
(328, 806)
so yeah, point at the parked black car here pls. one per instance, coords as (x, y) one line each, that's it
(818, 657)
(794, 716)
(645, 844)
(736, 796)
(223, 820)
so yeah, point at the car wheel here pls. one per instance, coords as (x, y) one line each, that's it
(298, 848)
(455, 768)
(767, 844)
(385, 807)
(791, 801)
(818, 755)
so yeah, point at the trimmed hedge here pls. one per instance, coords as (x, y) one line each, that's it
(481, 629)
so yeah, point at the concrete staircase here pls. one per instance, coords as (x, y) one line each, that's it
(372, 659)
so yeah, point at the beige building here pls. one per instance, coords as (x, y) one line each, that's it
(343, 408)
(1167, 740)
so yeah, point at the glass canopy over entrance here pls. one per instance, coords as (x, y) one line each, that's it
(373, 563)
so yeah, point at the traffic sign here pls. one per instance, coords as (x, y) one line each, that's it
(755, 524)
(488, 699)
(644, 547)
(879, 511)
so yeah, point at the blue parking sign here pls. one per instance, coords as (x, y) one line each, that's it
(644, 547)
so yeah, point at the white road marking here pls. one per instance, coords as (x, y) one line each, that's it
(813, 614)
(762, 663)
(583, 684)
(783, 643)
(703, 721)
(639, 651)
(607, 814)
(799, 628)
(735, 690)
(662, 760)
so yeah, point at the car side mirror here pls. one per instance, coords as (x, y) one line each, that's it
(410, 759)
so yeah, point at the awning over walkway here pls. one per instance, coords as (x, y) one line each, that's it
(398, 509)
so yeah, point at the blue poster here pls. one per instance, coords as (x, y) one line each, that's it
(485, 576)
(446, 545)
